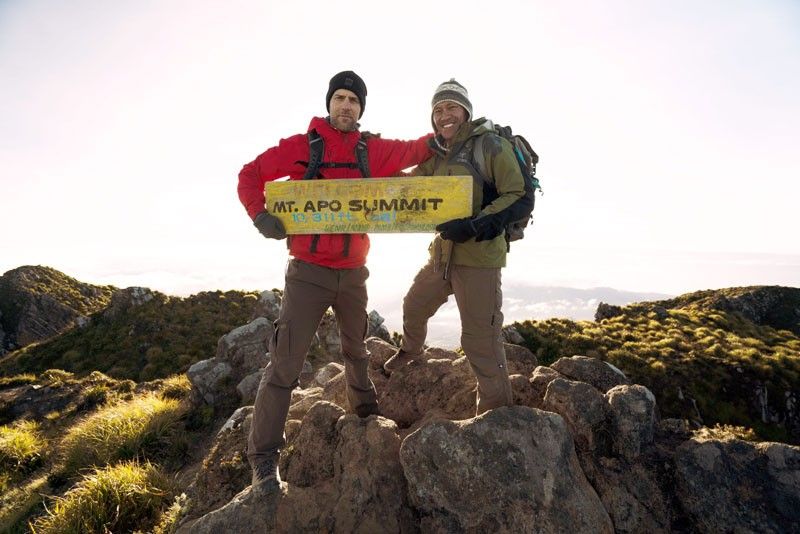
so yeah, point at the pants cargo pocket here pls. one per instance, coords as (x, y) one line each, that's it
(285, 366)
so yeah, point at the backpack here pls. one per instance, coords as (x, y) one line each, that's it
(316, 150)
(520, 212)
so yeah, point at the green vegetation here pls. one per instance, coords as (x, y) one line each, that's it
(17, 380)
(55, 285)
(126, 497)
(695, 352)
(21, 447)
(143, 427)
(159, 338)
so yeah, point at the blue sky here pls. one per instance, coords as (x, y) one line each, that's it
(668, 132)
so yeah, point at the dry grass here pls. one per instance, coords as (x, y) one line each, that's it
(137, 428)
(126, 497)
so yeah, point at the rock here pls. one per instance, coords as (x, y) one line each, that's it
(419, 387)
(585, 411)
(523, 391)
(247, 388)
(738, 486)
(248, 512)
(598, 373)
(210, 380)
(607, 311)
(246, 348)
(376, 327)
(369, 477)
(123, 300)
(310, 458)
(226, 471)
(303, 400)
(268, 306)
(329, 371)
(631, 494)
(520, 360)
(512, 335)
(540, 379)
(236, 369)
(327, 345)
(633, 419)
(775, 306)
(438, 353)
(379, 352)
(512, 469)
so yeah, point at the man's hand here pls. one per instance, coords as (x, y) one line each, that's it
(269, 226)
(458, 230)
(488, 228)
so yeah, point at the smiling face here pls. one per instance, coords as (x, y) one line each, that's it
(345, 108)
(447, 117)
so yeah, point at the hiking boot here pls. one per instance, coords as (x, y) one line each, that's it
(365, 410)
(400, 359)
(265, 474)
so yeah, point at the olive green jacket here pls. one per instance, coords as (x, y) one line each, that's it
(503, 169)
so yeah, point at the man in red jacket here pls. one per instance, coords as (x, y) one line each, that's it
(325, 270)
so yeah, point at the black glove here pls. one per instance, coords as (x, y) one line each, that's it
(457, 230)
(269, 226)
(488, 227)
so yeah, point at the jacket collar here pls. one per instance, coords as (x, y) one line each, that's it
(325, 128)
(465, 131)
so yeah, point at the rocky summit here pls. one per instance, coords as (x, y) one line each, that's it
(639, 421)
(583, 450)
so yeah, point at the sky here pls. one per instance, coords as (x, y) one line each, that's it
(668, 133)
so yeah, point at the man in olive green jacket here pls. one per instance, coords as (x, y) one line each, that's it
(467, 254)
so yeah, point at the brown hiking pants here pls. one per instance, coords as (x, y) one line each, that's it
(479, 299)
(310, 290)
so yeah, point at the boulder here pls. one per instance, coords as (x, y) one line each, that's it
(585, 411)
(738, 486)
(512, 469)
(633, 419)
(246, 348)
(540, 379)
(376, 328)
(309, 459)
(632, 494)
(419, 387)
(520, 360)
(210, 380)
(607, 311)
(512, 335)
(123, 300)
(226, 471)
(268, 306)
(598, 373)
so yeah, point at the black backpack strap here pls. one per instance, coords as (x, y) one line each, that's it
(316, 149)
(362, 159)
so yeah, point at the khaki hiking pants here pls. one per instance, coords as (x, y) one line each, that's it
(310, 290)
(479, 298)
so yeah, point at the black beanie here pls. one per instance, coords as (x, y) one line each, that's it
(352, 82)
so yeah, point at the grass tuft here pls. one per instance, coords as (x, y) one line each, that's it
(125, 497)
(21, 447)
(176, 387)
(141, 427)
(17, 380)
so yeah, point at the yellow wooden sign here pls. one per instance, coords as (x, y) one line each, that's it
(406, 204)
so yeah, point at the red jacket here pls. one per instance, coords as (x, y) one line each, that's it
(386, 158)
